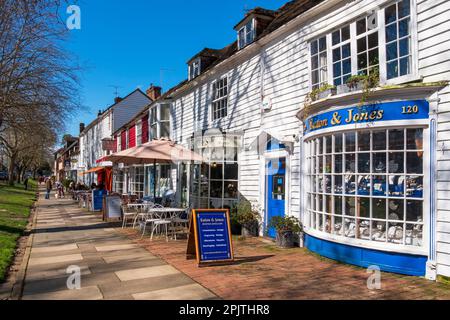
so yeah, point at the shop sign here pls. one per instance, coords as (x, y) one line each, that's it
(210, 236)
(389, 111)
(108, 145)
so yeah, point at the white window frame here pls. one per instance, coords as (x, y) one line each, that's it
(413, 76)
(214, 100)
(245, 33)
(195, 68)
(161, 121)
(384, 246)
(119, 142)
(158, 121)
(139, 133)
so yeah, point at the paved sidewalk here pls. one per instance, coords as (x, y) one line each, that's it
(263, 271)
(112, 266)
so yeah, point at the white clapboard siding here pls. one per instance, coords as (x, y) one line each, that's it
(284, 78)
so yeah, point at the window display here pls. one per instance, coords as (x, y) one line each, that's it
(215, 183)
(368, 185)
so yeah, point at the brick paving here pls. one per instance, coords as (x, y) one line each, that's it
(263, 271)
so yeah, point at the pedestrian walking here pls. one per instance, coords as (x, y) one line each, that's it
(48, 186)
(25, 183)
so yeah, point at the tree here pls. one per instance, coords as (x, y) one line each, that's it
(38, 80)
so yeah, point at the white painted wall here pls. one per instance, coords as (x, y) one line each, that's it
(284, 77)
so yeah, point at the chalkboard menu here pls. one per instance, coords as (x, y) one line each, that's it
(212, 234)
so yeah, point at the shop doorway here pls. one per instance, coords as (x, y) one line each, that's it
(275, 191)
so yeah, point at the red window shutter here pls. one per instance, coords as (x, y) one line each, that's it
(145, 129)
(123, 140)
(132, 137)
(115, 144)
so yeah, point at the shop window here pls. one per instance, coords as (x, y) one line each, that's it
(137, 181)
(214, 184)
(373, 189)
(118, 181)
(220, 99)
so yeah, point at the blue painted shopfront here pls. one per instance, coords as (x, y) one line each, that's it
(413, 265)
(338, 248)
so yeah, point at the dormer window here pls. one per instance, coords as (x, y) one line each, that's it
(246, 34)
(194, 69)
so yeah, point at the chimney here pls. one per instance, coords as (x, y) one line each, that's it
(154, 92)
(99, 113)
(117, 100)
(82, 126)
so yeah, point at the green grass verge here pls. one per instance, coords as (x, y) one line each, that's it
(15, 205)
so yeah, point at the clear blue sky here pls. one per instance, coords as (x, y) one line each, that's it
(135, 43)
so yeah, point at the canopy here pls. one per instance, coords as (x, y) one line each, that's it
(156, 151)
(93, 170)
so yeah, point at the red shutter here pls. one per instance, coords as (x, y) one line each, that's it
(145, 129)
(115, 144)
(123, 140)
(132, 136)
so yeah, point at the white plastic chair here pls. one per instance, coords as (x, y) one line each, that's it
(143, 214)
(127, 213)
(180, 223)
(160, 220)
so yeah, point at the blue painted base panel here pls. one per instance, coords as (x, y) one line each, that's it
(407, 264)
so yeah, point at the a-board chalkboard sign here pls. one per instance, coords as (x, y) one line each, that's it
(210, 236)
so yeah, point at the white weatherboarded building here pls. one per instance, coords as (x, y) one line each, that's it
(96, 138)
(371, 189)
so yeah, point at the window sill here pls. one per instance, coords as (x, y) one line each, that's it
(389, 91)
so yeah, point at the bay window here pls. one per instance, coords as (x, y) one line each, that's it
(380, 42)
(368, 185)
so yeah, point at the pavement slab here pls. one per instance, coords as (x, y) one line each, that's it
(189, 292)
(111, 266)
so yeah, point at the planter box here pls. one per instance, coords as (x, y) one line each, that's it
(285, 239)
(343, 88)
(326, 94)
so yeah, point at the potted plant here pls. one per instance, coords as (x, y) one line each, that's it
(287, 229)
(323, 92)
(248, 217)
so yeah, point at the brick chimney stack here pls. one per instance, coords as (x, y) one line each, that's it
(82, 127)
(154, 92)
(117, 100)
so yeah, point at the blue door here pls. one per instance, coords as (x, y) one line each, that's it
(276, 191)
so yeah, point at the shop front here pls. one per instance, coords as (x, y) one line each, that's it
(215, 183)
(367, 194)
